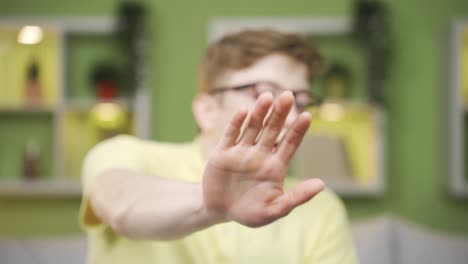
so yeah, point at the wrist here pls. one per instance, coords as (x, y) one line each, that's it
(208, 215)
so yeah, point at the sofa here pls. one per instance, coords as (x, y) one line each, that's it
(384, 239)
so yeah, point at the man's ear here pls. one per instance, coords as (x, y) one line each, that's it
(205, 110)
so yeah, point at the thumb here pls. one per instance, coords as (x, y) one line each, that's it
(300, 194)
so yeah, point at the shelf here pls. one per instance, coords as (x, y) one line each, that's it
(457, 118)
(55, 188)
(87, 54)
(66, 122)
(15, 132)
(346, 152)
(25, 110)
(27, 72)
(86, 104)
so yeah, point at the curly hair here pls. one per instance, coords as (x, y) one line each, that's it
(241, 50)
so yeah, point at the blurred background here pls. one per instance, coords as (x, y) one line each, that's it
(390, 132)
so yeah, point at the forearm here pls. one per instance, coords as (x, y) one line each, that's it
(143, 207)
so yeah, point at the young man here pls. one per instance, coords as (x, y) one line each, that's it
(150, 202)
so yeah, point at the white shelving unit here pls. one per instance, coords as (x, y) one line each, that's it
(59, 184)
(457, 112)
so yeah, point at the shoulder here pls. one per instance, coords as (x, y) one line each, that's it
(326, 206)
(126, 145)
(180, 161)
(117, 142)
(122, 151)
(329, 200)
(126, 149)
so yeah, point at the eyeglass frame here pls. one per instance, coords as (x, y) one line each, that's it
(254, 85)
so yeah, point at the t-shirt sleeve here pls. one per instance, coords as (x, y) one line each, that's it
(334, 244)
(123, 152)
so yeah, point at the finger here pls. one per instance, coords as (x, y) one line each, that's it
(300, 194)
(255, 121)
(233, 129)
(293, 138)
(276, 119)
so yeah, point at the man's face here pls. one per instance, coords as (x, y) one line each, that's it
(285, 72)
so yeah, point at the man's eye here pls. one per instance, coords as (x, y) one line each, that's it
(265, 87)
(254, 91)
(302, 99)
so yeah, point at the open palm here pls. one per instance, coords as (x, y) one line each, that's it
(243, 179)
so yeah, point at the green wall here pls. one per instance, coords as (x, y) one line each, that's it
(416, 89)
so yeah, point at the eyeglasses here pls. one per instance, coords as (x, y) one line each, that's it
(303, 98)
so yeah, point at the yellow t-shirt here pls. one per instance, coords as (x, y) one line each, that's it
(316, 232)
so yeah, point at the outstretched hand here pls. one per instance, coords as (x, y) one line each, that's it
(243, 179)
